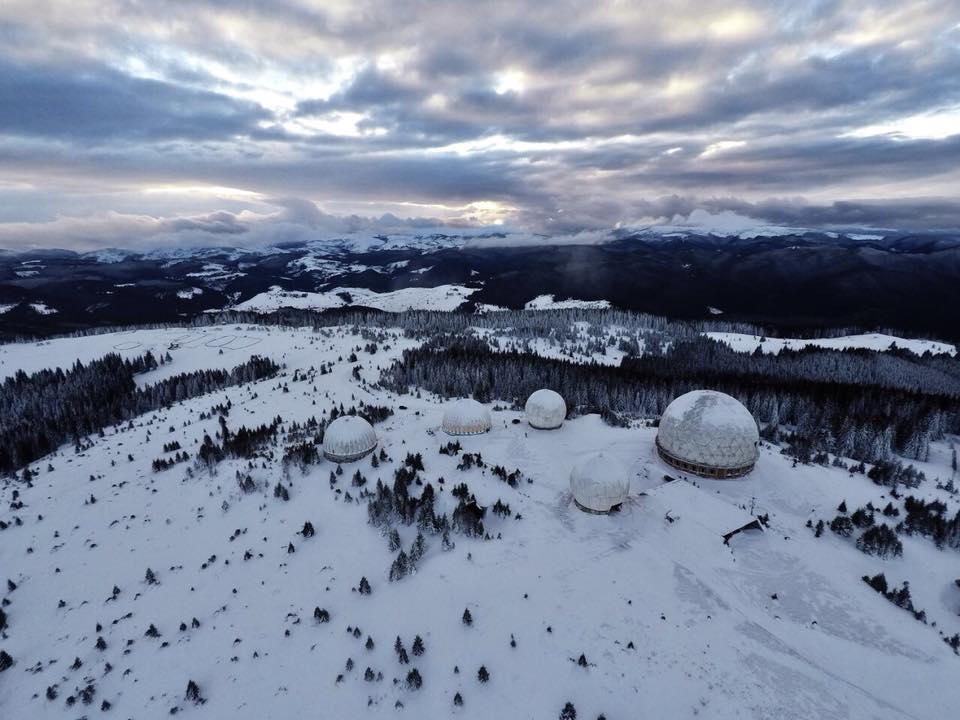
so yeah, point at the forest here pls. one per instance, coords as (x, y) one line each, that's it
(40, 411)
(859, 404)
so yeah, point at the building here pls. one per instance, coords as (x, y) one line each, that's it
(348, 438)
(466, 417)
(545, 410)
(710, 434)
(599, 483)
(707, 512)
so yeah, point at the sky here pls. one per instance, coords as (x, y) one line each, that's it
(127, 123)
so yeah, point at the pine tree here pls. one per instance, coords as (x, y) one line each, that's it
(400, 567)
(482, 674)
(418, 648)
(364, 587)
(842, 526)
(193, 693)
(467, 617)
(568, 712)
(414, 681)
(417, 549)
(393, 540)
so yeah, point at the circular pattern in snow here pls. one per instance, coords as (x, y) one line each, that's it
(221, 341)
(242, 343)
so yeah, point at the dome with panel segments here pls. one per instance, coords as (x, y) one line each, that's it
(599, 483)
(708, 433)
(466, 417)
(545, 410)
(348, 438)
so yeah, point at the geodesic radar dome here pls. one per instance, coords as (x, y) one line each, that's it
(599, 483)
(466, 417)
(348, 438)
(545, 410)
(708, 433)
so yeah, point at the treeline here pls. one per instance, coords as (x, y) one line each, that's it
(41, 411)
(858, 404)
(558, 323)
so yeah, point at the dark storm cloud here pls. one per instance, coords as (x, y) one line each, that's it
(370, 88)
(560, 116)
(100, 104)
(910, 214)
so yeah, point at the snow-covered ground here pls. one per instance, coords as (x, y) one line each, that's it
(42, 308)
(547, 302)
(441, 297)
(870, 341)
(671, 622)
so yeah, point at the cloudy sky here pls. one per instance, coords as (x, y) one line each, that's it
(126, 122)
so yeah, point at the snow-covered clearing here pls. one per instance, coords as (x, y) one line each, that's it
(42, 308)
(442, 297)
(671, 622)
(870, 341)
(547, 302)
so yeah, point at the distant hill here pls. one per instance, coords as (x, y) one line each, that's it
(792, 282)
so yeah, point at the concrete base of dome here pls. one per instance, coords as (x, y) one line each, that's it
(544, 427)
(465, 434)
(706, 471)
(347, 458)
(614, 509)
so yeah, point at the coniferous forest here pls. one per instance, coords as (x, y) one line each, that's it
(859, 404)
(38, 412)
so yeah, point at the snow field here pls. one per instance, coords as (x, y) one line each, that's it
(708, 638)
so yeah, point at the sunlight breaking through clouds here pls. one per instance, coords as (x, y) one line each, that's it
(400, 109)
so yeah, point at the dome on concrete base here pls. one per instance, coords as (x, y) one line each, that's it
(599, 483)
(466, 417)
(348, 438)
(708, 433)
(545, 410)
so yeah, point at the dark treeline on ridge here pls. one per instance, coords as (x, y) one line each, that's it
(522, 323)
(865, 405)
(39, 412)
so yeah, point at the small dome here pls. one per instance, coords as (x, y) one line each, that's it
(599, 483)
(348, 438)
(545, 410)
(466, 417)
(710, 434)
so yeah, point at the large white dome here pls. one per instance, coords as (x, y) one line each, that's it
(545, 410)
(348, 438)
(466, 417)
(708, 433)
(599, 483)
